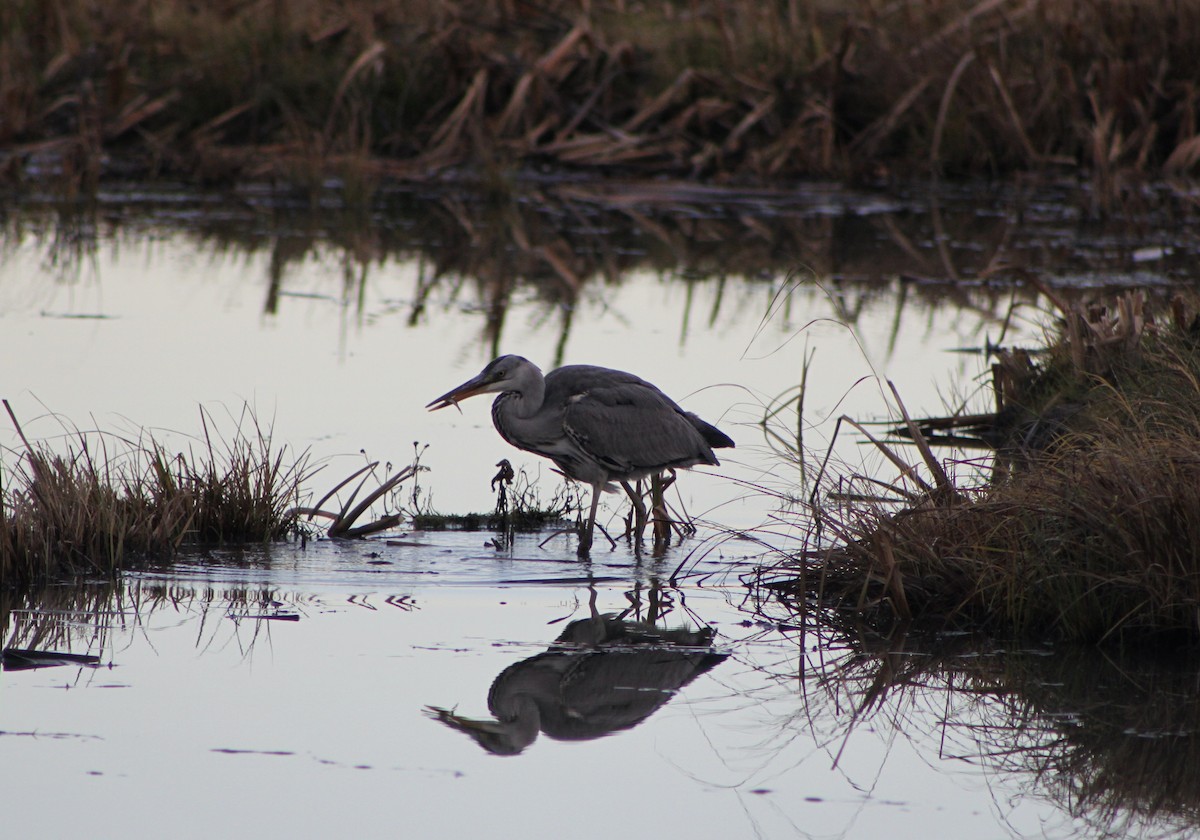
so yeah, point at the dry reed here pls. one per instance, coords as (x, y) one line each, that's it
(305, 90)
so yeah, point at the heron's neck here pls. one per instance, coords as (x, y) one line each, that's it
(513, 413)
(521, 720)
(524, 403)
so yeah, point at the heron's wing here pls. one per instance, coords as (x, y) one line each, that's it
(629, 426)
(615, 689)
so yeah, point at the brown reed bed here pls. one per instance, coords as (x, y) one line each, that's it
(1086, 525)
(300, 91)
(95, 502)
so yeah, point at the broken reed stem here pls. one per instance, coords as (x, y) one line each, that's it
(931, 463)
(17, 426)
(939, 126)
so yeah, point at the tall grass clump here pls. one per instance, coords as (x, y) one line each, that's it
(98, 500)
(1087, 527)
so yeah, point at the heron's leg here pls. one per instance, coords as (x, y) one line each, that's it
(658, 509)
(639, 509)
(585, 539)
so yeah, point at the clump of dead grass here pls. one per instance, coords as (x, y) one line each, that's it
(98, 501)
(1087, 527)
(519, 508)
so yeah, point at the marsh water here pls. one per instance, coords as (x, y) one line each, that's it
(432, 684)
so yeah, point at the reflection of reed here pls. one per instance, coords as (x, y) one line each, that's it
(65, 619)
(1123, 744)
(551, 240)
(83, 619)
(1112, 739)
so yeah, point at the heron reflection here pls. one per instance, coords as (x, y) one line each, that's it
(602, 675)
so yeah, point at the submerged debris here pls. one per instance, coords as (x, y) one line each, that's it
(17, 659)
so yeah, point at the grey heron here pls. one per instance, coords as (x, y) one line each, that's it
(599, 426)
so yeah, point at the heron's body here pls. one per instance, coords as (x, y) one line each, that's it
(597, 425)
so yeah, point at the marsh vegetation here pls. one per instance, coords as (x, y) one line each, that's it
(94, 501)
(729, 89)
(1081, 525)
(374, 193)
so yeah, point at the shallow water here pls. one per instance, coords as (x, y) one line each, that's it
(284, 691)
(288, 693)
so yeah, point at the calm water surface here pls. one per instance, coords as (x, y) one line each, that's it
(288, 692)
(290, 699)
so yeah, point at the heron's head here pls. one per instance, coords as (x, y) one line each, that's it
(497, 737)
(507, 373)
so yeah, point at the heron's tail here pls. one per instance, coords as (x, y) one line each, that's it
(713, 436)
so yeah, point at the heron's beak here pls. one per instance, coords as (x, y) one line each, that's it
(452, 397)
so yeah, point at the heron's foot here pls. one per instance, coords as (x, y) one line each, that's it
(585, 539)
(585, 544)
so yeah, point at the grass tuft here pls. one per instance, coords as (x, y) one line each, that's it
(1087, 524)
(102, 500)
